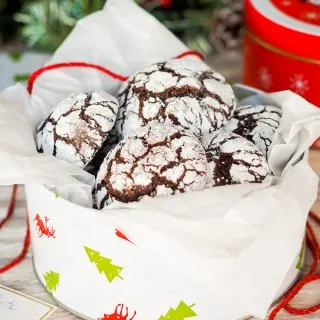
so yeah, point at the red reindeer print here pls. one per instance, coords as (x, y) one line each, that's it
(119, 314)
(43, 228)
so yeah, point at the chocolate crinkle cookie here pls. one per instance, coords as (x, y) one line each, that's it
(155, 161)
(233, 160)
(257, 123)
(181, 92)
(110, 143)
(78, 127)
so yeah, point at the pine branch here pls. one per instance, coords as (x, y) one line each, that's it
(46, 23)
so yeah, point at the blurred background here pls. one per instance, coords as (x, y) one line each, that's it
(31, 30)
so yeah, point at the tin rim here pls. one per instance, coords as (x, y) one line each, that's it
(265, 21)
(270, 11)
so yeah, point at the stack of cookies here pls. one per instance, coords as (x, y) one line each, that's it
(175, 127)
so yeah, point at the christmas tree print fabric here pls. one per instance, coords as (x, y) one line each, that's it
(92, 267)
(104, 264)
(52, 280)
(183, 311)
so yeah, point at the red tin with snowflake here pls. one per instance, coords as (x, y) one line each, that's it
(282, 46)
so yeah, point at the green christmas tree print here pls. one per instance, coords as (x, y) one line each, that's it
(52, 280)
(103, 264)
(182, 312)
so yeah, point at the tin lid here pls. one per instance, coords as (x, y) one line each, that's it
(307, 11)
(289, 26)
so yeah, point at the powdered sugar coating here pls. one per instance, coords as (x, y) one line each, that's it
(257, 123)
(182, 92)
(77, 128)
(233, 159)
(155, 161)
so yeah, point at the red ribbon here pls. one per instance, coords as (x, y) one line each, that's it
(26, 241)
(76, 64)
(310, 277)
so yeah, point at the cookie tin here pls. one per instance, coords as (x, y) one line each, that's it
(282, 46)
(64, 233)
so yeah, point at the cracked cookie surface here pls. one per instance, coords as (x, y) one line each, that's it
(77, 128)
(233, 160)
(256, 123)
(182, 92)
(155, 161)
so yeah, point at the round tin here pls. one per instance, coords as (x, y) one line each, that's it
(71, 303)
(49, 255)
(282, 46)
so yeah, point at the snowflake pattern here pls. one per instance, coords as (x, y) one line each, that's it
(265, 78)
(286, 3)
(311, 16)
(299, 84)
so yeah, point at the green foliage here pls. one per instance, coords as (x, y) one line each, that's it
(182, 312)
(46, 23)
(190, 22)
(103, 264)
(21, 77)
(52, 280)
(15, 56)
